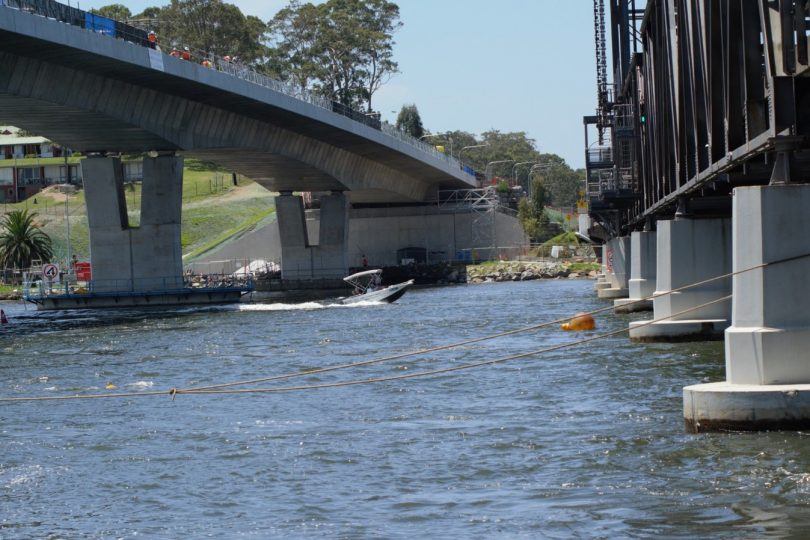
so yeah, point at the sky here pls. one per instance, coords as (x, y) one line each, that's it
(478, 65)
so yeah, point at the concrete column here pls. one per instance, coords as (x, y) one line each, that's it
(617, 265)
(134, 259)
(689, 251)
(299, 259)
(642, 274)
(331, 254)
(767, 373)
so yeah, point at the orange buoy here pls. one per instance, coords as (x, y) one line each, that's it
(581, 321)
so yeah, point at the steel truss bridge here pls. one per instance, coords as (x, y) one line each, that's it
(706, 95)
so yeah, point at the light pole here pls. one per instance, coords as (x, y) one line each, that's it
(449, 138)
(514, 168)
(460, 161)
(486, 170)
(539, 165)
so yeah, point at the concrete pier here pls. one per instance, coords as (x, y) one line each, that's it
(134, 259)
(689, 251)
(300, 259)
(642, 274)
(617, 266)
(767, 382)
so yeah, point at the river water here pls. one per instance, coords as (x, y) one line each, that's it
(584, 442)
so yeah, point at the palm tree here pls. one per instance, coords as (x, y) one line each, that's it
(21, 241)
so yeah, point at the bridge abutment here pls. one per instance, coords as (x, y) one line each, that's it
(299, 259)
(642, 274)
(617, 265)
(134, 259)
(767, 382)
(689, 251)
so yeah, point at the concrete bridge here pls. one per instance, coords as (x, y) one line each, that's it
(700, 167)
(105, 95)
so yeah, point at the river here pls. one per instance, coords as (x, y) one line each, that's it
(581, 442)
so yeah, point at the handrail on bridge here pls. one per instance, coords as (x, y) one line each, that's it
(96, 23)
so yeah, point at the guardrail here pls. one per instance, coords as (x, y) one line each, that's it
(115, 29)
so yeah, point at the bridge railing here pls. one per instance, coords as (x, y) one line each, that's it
(102, 25)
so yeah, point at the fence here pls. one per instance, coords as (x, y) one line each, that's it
(36, 288)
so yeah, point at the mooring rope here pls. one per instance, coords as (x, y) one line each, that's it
(450, 369)
(479, 339)
(223, 388)
(190, 391)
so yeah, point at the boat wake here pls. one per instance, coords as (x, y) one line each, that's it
(303, 306)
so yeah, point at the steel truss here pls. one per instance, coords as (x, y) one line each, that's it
(718, 97)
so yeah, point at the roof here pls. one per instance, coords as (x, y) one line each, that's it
(11, 139)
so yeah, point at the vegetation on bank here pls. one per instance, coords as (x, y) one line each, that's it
(214, 209)
(491, 268)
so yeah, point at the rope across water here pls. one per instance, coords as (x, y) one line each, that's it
(227, 388)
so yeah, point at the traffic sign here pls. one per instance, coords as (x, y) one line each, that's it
(50, 271)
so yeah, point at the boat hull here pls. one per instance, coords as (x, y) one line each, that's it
(388, 294)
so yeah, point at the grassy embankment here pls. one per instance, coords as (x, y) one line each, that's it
(214, 210)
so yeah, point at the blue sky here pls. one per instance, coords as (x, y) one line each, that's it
(476, 65)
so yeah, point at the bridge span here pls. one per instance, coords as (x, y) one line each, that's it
(698, 162)
(109, 94)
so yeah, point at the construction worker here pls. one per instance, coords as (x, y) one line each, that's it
(152, 37)
(175, 52)
(186, 55)
(207, 63)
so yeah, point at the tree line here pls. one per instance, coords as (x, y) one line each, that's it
(338, 49)
(343, 50)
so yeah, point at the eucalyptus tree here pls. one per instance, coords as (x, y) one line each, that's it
(342, 49)
(409, 121)
(116, 12)
(213, 27)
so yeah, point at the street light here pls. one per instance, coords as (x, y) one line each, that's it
(486, 170)
(449, 138)
(515, 166)
(467, 148)
(542, 165)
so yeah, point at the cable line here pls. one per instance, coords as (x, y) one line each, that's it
(223, 387)
(478, 339)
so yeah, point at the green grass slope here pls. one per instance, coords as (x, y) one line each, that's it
(214, 211)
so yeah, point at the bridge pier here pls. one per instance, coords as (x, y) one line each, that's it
(134, 259)
(767, 382)
(689, 251)
(617, 264)
(299, 259)
(642, 274)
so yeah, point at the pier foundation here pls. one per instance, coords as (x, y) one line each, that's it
(689, 251)
(300, 259)
(617, 266)
(126, 258)
(767, 382)
(642, 274)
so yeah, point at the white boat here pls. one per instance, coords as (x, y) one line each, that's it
(368, 288)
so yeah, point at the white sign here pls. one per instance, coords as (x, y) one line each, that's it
(156, 59)
(50, 272)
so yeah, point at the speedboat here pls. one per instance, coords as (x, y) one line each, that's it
(368, 288)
